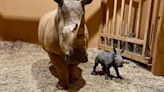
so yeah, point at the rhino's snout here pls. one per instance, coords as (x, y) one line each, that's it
(69, 54)
(76, 57)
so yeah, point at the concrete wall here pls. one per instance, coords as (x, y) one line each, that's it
(19, 19)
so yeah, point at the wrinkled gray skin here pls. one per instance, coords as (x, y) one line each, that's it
(107, 60)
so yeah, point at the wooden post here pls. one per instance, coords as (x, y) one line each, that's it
(153, 24)
(114, 21)
(121, 21)
(107, 18)
(129, 16)
(158, 58)
(129, 19)
(114, 17)
(138, 18)
(138, 21)
(106, 21)
(101, 27)
(147, 26)
(122, 15)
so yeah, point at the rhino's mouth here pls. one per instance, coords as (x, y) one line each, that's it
(77, 58)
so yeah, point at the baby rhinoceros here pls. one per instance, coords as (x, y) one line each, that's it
(107, 59)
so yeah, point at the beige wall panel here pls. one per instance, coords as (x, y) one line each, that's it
(21, 19)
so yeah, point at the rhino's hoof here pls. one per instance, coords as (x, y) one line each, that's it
(93, 73)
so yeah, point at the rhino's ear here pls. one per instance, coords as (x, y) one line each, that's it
(60, 2)
(114, 50)
(84, 2)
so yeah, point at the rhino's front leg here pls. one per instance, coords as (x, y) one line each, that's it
(75, 77)
(95, 66)
(61, 69)
(117, 72)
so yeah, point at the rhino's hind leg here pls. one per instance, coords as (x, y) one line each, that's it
(107, 72)
(61, 70)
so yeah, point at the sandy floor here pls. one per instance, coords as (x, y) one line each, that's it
(24, 68)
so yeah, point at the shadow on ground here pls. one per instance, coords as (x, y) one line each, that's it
(45, 80)
(45, 75)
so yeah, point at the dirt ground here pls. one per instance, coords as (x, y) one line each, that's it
(24, 67)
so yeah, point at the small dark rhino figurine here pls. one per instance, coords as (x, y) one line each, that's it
(107, 60)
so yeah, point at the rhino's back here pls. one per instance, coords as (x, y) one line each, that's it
(105, 57)
(47, 34)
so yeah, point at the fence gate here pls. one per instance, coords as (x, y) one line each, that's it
(125, 24)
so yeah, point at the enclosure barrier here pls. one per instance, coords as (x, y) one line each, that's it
(126, 25)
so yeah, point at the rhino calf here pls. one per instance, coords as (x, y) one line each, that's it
(107, 60)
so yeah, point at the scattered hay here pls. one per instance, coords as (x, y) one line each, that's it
(24, 67)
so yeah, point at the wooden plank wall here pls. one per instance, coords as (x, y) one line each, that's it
(126, 24)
